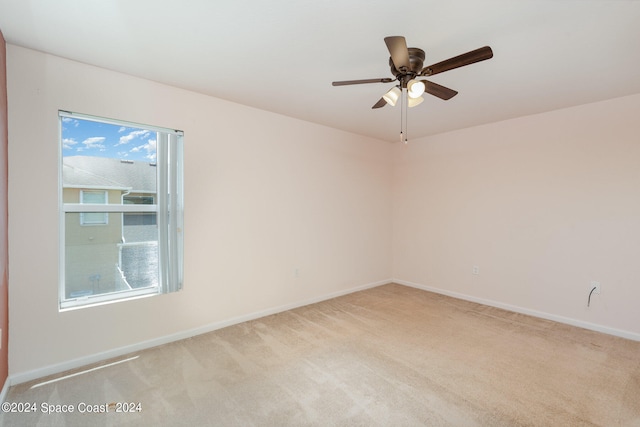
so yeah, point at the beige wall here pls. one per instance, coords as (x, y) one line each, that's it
(264, 195)
(543, 205)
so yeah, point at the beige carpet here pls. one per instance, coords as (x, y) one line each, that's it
(388, 356)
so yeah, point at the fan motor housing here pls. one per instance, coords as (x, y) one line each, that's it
(416, 60)
(411, 62)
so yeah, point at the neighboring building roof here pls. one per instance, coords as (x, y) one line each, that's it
(102, 172)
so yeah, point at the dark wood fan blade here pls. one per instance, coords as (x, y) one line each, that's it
(438, 90)
(458, 61)
(359, 82)
(397, 46)
(380, 103)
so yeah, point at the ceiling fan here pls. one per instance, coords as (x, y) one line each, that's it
(406, 66)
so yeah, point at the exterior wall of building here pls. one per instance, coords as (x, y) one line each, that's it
(91, 250)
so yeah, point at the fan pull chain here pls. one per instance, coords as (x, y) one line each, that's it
(403, 116)
(401, 121)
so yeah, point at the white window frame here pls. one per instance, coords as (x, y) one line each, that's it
(105, 216)
(169, 209)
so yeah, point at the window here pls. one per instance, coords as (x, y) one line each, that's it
(95, 197)
(121, 210)
(134, 218)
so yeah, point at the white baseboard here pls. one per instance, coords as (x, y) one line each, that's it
(561, 319)
(23, 377)
(5, 390)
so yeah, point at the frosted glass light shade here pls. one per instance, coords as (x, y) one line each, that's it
(392, 96)
(415, 88)
(415, 101)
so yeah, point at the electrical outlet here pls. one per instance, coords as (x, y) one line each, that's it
(475, 270)
(595, 285)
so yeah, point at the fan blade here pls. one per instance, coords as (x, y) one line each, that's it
(380, 103)
(358, 82)
(397, 46)
(438, 90)
(458, 61)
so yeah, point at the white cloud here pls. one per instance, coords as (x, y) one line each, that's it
(71, 121)
(141, 133)
(149, 148)
(122, 129)
(94, 142)
(68, 143)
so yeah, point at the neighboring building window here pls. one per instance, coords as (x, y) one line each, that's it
(93, 197)
(121, 210)
(134, 218)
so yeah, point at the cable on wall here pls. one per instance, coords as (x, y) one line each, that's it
(590, 293)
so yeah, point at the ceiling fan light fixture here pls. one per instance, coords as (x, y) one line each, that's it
(392, 96)
(415, 88)
(406, 66)
(414, 101)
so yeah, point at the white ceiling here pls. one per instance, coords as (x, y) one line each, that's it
(282, 55)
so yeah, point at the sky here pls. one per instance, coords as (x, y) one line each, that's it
(89, 138)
